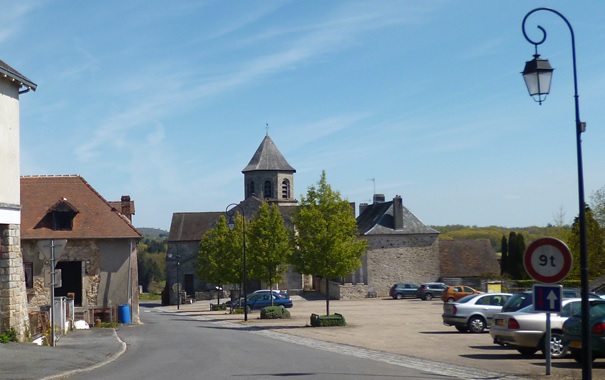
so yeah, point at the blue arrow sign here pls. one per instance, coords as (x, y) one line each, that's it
(547, 298)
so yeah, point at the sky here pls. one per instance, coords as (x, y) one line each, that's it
(167, 101)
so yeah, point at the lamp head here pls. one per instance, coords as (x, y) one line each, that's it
(538, 75)
(231, 223)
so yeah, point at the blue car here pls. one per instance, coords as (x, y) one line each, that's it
(262, 298)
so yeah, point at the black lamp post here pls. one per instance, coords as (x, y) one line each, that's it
(177, 285)
(230, 211)
(537, 75)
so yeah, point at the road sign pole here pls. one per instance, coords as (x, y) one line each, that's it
(547, 338)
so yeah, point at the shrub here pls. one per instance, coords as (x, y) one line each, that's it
(328, 320)
(220, 306)
(274, 312)
(8, 336)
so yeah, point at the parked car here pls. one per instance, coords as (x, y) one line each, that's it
(262, 298)
(525, 298)
(572, 331)
(525, 329)
(430, 290)
(454, 293)
(473, 313)
(403, 289)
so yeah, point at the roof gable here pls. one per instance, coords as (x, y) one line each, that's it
(93, 217)
(268, 157)
(378, 219)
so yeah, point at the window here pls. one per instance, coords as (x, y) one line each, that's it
(268, 193)
(61, 215)
(251, 189)
(28, 267)
(285, 189)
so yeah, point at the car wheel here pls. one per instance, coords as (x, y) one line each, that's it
(525, 351)
(399, 296)
(462, 329)
(428, 297)
(557, 349)
(450, 300)
(476, 325)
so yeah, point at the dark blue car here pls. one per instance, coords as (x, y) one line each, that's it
(262, 298)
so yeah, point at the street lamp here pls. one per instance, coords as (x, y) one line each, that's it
(537, 75)
(230, 211)
(177, 285)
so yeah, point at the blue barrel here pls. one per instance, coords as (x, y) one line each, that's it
(124, 314)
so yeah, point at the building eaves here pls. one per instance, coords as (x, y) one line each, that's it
(8, 72)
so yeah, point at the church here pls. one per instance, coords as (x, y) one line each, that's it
(401, 247)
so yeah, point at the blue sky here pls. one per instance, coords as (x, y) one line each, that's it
(168, 101)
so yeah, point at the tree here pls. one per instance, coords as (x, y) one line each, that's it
(327, 242)
(595, 247)
(504, 257)
(219, 260)
(598, 206)
(269, 246)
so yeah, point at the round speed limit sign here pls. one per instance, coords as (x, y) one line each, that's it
(547, 260)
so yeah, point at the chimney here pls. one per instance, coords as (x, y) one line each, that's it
(362, 207)
(126, 207)
(398, 212)
(379, 198)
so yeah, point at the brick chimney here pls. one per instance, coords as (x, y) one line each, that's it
(379, 198)
(126, 207)
(398, 213)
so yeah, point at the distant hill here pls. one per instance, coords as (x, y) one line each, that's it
(153, 232)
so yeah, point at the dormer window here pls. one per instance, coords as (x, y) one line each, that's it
(62, 215)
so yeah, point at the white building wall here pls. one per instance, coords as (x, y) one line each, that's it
(9, 153)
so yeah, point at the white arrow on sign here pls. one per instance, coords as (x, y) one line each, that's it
(552, 297)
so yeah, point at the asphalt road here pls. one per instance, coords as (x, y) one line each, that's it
(170, 345)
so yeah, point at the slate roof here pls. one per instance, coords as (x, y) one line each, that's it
(95, 217)
(268, 157)
(377, 219)
(8, 72)
(467, 258)
(191, 226)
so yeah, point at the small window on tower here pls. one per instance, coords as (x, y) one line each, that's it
(285, 189)
(268, 193)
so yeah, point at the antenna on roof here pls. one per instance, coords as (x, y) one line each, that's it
(373, 180)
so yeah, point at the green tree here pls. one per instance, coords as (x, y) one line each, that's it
(219, 260)
(269, 245)
(597, 205)
(327, 242)
(595, 247)
(504, 256)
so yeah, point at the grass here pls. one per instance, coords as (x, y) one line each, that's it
(150, 297)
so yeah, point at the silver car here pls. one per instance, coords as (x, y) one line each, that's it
(525, 329)
(473, 313)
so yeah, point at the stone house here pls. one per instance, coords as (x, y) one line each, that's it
(13, 301)
(269, 177)
(99, 261)
(400, 248)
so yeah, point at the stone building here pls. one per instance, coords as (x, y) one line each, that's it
(400, 248)
(13, 301)
(267, 177)
(99, 261)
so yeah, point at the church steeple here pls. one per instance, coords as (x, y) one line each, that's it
(268, 175)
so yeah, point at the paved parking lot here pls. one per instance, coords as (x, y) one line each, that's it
(408, 327)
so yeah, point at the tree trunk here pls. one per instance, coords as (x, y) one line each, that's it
(327, 297)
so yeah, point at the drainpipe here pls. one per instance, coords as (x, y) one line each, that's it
(129, 292)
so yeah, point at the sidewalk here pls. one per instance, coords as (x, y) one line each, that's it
(23, 361)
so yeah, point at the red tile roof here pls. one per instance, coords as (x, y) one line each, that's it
(95, 218)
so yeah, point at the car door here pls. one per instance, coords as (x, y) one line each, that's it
(491, 305)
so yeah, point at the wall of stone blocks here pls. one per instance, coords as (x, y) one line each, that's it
(401, 258)
(13, 297)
